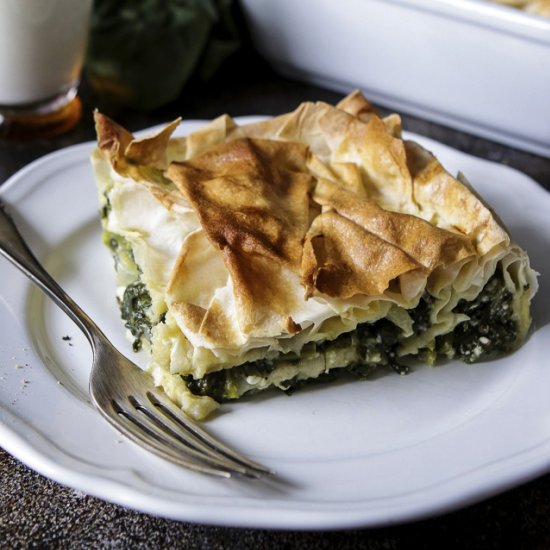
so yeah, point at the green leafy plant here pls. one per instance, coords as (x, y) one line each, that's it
(142, 53)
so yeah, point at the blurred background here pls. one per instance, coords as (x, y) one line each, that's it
(476, 66)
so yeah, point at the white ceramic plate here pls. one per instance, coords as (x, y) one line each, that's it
(347, 455)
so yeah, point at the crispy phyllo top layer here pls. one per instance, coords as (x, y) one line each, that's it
(313, 215)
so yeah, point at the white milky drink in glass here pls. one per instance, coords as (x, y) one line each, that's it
(42, 49)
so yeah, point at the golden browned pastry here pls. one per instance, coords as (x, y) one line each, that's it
(537, 7)
(268, 254)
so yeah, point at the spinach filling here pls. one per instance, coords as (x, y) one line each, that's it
(376, 344)
(106, 207)
(136, 301)
(134, 308)
(212, 385)
(491, 329)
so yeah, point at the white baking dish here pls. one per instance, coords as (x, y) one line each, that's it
(473, 65)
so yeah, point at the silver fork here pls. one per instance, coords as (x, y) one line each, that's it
(123, 393)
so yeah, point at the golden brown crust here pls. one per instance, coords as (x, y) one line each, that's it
(112, 138)
(452, 202)
(151, 150)
(342, 260)
(356, 247)
(196, 143)
(325, 202)
(429, 245)
(251, 197)
(357, 105)
(125, 151)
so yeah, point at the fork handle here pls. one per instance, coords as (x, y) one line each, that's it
(14, 248)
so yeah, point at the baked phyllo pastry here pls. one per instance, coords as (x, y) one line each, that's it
(537, 7)
(314, 243)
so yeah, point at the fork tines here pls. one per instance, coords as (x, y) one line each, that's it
(158, 425)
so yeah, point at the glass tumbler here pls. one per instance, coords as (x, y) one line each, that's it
(42, 49)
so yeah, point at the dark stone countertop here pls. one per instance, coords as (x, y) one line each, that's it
(37, 512)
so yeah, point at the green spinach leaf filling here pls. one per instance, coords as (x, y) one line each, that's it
(490, 330)
(134, 308)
